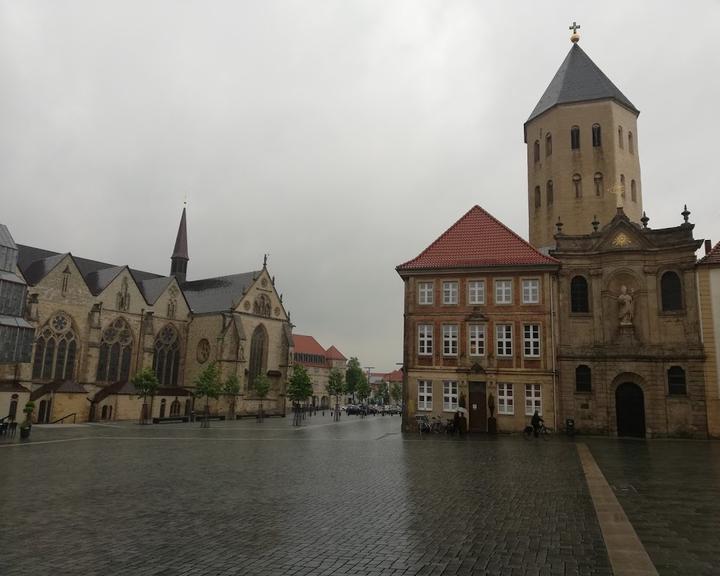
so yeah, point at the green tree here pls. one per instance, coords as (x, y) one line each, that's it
(396, 392)
(146, 384)
(208, 385)
(231, 388)
(363, 388)
(336, 387)
(353, 376)
(299, 389)
(262, 387)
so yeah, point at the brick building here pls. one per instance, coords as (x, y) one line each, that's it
(318, 362)
(478, 325)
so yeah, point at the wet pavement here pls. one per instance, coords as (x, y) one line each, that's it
(349, 498)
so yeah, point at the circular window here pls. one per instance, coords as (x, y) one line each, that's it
(203, 351)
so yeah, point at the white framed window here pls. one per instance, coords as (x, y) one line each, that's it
(476, 339)
(531, 291)
(476, 292)
(506, 403)
(531, 340)
(503, 339)
(424, 395)
(425, 292)
(450, 339)
(503, 291)
(450, 395)
(450, 292)
(425, 339)
(533, 399)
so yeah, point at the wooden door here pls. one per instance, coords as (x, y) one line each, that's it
(477, 407)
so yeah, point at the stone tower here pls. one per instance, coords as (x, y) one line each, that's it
(582, 153)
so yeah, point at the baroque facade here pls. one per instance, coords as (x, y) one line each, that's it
(97, 324)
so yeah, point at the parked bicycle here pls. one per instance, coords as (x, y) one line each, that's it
(542, 432)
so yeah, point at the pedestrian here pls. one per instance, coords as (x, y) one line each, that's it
(535, 422)
(456, 422)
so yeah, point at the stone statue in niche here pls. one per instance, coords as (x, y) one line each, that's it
(262, 306)
(625, 305)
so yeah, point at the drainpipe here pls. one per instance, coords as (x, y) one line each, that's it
(553, 350)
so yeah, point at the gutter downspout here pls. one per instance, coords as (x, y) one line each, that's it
(553, 349)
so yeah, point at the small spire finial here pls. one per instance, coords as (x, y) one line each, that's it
(644, 219)
(575, 36)
(595, 223)
(265, 261)
(559, 226)
(685, 214)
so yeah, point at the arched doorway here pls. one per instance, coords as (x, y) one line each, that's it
(630, 410)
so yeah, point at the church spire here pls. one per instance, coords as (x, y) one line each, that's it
(179, 258)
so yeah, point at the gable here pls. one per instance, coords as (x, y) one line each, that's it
(63, 278)
(622, 235)
(171, 303)
(261, 299)
(122, 294)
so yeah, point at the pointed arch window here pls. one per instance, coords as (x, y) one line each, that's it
(596, 136)
(116, 346)
(575, 138)
(583, 379)
(671, 292)
(598, 179)
(549, 193)
(548, 144)
(538, 197)
(536, 151)
(577, 185)
(166, 356)
(55, 350)
(258, 354)
(579, 295)
(621, 144)
(631, 143)
(633, 191)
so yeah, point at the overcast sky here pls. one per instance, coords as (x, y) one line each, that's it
(340, 136)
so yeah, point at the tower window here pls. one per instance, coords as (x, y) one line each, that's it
(575, 138)
(548, 144)
(536, 151)
(549, 193)
(631, 144)
(579, 295)
(633, 191)
(598, 178)
(620, 138)
(577, 185)
(538, 198)
(622, 185)
(671, 291)
(596, 136)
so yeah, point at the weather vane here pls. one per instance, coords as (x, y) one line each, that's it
(575, 36)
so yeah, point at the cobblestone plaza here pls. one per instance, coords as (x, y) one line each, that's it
(354, 497)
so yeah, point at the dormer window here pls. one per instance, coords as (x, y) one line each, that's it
(575, 138)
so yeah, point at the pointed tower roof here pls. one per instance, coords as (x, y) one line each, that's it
(477, 240)
(579, 80)
(181, 249)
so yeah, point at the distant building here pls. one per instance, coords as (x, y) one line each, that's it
(318, 362)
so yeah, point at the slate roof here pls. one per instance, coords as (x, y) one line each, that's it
(713, 257)
(217, 294)
(579, 80)
(181, 249)
(333, 353)
(98, 280)
(58, 386)
(477, 240)
(152, 288)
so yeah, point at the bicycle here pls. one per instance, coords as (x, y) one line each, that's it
(543, 432)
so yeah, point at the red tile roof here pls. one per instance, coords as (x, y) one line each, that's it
(394, 376)
(333, 353)
(477, 240)
(307, 345)
(712, 257)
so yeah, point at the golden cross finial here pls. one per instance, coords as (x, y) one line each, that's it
(575, 36)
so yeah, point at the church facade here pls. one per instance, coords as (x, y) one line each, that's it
(97, 324)
(631, 313)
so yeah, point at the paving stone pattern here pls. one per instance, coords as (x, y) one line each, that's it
(670, 491)
(354, 498)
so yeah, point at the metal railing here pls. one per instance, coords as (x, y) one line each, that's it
(62, 420)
